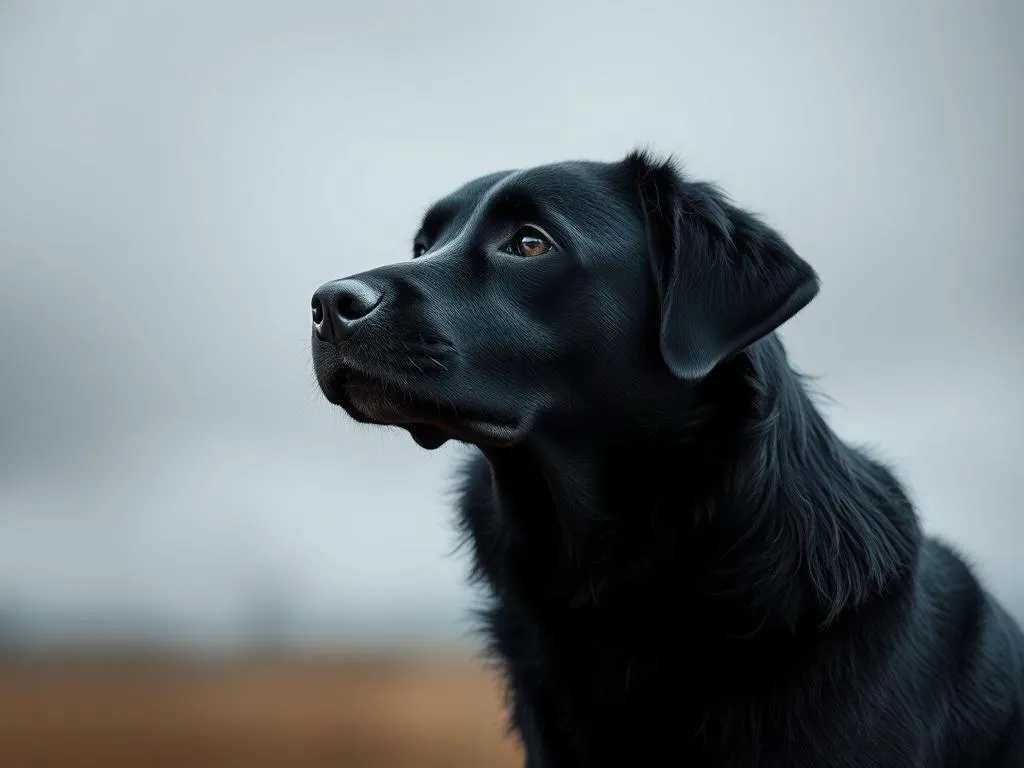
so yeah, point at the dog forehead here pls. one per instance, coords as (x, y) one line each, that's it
(457, 206)
(577, 189)
(589, 202)
(567, 186)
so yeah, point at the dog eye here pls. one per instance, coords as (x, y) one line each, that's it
(529, 242)
(418, 250)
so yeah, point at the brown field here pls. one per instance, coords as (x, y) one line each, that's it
(379, 714)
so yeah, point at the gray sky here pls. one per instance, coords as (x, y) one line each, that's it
(179, 176)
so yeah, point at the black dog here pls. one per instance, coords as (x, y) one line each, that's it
(687, 565)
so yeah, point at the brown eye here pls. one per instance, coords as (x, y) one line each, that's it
(529, 242)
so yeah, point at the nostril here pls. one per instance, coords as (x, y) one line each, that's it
(318, 311)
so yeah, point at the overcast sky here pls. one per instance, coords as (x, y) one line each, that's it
(177, 177)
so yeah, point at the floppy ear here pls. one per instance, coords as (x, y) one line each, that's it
(724, 279)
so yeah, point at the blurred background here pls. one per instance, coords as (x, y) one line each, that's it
(192, 557)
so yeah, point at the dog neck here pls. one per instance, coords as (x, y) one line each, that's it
(762, 516)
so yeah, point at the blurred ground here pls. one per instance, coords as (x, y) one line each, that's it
(278, 712)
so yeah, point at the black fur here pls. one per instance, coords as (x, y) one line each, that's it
(686, 565)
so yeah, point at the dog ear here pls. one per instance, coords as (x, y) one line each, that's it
(724, 279)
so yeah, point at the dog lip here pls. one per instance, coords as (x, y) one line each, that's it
(396, 392)
(385, 400)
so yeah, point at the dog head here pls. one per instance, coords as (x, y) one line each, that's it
(572, 291)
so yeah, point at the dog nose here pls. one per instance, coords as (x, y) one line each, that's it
(338, 307)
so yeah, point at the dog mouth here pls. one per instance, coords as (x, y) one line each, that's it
(430, 418)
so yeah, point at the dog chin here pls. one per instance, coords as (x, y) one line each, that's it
(428, 437)
(483, 434)
(431, 433)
